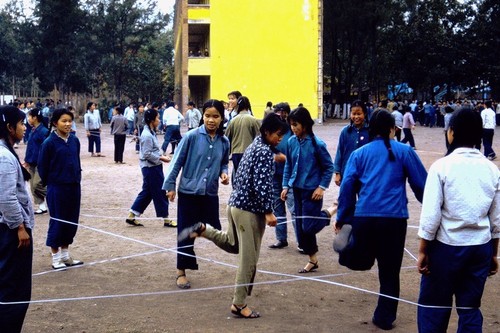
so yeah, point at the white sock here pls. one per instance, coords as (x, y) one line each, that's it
(64, 254)
(56, 257)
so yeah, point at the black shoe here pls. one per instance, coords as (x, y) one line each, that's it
(279, 245)
(383, 326)
(191, 232)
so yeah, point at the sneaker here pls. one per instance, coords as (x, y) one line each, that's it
(279, 245)
(58, 264)
(71, 262)
(169, 223)
(341, 241)
(492, 158)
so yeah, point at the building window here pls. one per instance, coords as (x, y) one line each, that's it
(199, 40)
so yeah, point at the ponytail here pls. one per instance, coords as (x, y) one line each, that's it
(381, 124)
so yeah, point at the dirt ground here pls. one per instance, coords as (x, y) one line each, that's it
(127, 283)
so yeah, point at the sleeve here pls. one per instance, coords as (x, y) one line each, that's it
(349, 189)
(288, 164)
(263, 179)
(176, 164)
(225, 158)
(10, 206)
(327, 166)
(430, 216)
(416, 173)
(86, 121)
(339, 155)
(44, 161)
(494, 213)
(148, 152)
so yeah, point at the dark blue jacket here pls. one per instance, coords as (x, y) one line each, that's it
(35, 140)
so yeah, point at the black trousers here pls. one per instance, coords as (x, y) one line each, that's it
(119, 146)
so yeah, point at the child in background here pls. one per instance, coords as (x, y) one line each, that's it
(459, 230)
(59, 168)
(408, 126)
(351, 137)
(203, 156)
(73, 124)
(119, 131)
(308, 170)
(150, 161)
(139, 123)
(38, 134)
(16, 223)
(447, 116)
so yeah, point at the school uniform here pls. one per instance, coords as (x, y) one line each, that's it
(92, 123)
(460, 215)
(249, 201)
(373, 199)
(152, 176)
(308, 166)
(202, 160)
(15, 263)
(60, 169)
(350, 139)
(35, 140)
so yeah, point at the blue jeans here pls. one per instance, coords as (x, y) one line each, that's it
(172, 134)
(459, 271)
(280, 209)
(130, 127)
(152, 181)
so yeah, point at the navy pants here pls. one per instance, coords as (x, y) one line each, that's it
(488, 142)
(119, 140)
(408, 137)
(190, 210)
(459, 271)
(172, 134)
(384, 238)
(63, 201)
(95, 138)
(15, 279)
(309, 219)
(152, 181)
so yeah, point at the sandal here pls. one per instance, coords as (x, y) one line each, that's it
(312, 269)
(186, 285)
(238, 313)
(191, 232)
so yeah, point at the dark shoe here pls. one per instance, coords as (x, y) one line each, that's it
(134, 223)
(341, 241)
(186, 285)
(238, 313)
(279, 245)
(191, 232)
(382, 326)
(312, 269)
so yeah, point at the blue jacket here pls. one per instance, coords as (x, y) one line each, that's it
(35, 140)
(279, 167)
(374, 186)
(307, 166)
(59, 161)
(202, 160)
(350, 139)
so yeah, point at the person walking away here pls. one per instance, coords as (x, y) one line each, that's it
(459, 230)
(489, 123)
(119, 131)
(408, 127)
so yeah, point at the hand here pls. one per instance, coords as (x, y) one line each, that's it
(336, 227)
(22, 235)
(283, 194)
(224, 179)
(171, 195)
(494, 266)
(26, 165)
(271, 220)
(338, 178)
(88, 133)
(423, 263)
(318, 194)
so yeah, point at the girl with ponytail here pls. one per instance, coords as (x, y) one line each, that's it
(373, 201)
(16, 222)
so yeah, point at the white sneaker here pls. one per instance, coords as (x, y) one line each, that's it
(71, 262)
(58, 264)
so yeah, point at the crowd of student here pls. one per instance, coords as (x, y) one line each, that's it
(275, 161)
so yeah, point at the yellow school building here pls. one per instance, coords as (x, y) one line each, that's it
(269, 50)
